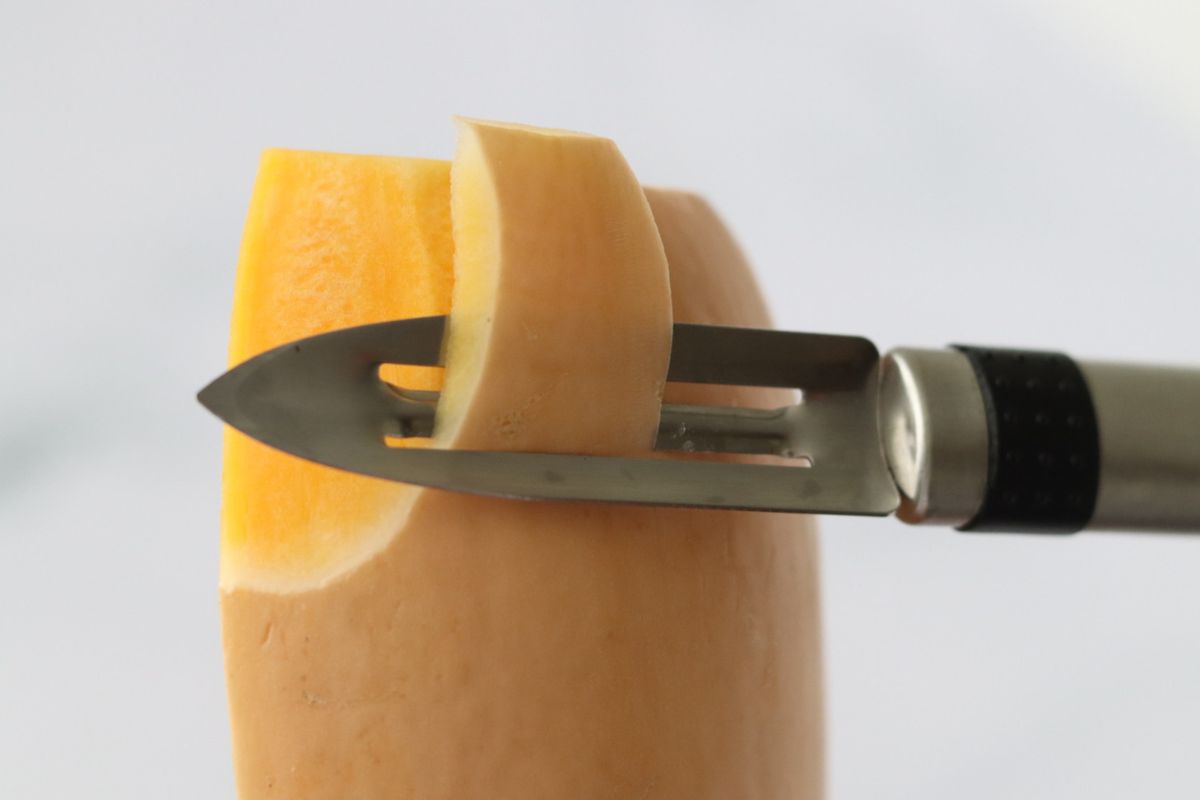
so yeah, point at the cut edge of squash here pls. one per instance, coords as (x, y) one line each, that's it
(313, 258)
(474, 271)
(475, 216)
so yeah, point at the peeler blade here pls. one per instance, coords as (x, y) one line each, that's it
(321, 399)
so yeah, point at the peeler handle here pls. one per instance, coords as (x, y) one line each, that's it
(989, 439)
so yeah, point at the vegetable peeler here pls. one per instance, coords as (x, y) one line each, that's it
(977, 438)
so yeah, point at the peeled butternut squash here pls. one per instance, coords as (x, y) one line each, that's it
(384, 641)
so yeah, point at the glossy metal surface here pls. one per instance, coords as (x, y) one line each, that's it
(1149, 419)
(935, 434)
(320, 399)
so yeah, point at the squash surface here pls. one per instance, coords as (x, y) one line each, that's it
(389, 642)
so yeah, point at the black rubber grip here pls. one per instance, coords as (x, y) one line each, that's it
(1043, 442)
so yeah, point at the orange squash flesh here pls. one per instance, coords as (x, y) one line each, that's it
(389, 642)
(330, 241)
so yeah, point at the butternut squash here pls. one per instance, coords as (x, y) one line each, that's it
(384, 641)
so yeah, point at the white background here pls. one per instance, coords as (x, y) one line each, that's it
(1023, 173)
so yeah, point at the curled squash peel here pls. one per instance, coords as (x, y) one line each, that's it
(384, 641)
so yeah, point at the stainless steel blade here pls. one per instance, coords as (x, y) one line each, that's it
(321, 399)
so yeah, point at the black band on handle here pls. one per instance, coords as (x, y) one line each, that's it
(1043, 442)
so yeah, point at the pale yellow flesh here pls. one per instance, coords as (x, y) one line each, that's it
(495, 649)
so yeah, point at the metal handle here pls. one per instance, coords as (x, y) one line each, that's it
(987, 439)
(1149, 420)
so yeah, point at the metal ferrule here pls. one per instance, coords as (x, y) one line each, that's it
(935, 434)
(967, 449)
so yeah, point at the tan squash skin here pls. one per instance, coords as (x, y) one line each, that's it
(499, 649)
(562, 298)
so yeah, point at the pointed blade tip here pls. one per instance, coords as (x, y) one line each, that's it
(215, 398)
